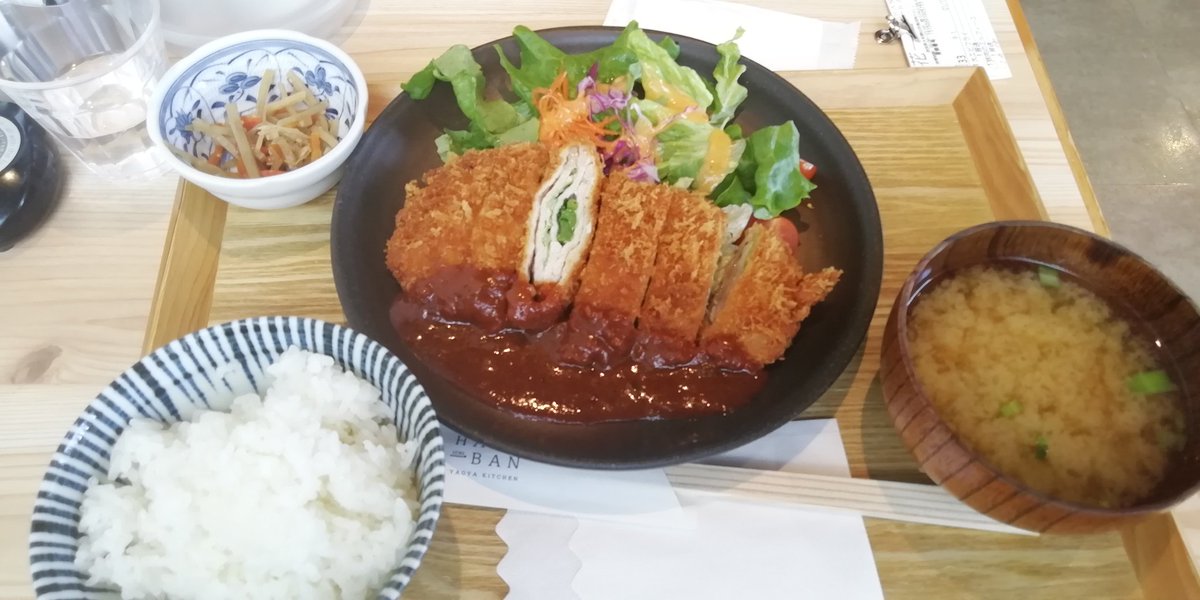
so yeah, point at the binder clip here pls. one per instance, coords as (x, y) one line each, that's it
(895, 27)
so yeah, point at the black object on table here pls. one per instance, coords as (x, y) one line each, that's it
(30, 180)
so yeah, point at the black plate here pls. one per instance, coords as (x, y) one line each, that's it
(841, 229)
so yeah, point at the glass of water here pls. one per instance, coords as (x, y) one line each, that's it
(85, 70)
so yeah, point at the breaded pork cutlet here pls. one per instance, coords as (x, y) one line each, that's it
(472, 210)
(689, 249)
(558, 237)
(459, 238)
(618, 269)
(505, 180)
(761, 300)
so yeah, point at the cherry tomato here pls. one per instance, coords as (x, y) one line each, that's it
(786, 231)
(807, 169)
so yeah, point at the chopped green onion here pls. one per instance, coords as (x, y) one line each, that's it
(566, 220)
(1010, 409)
(1048, 277)
(1150, 382)
(1041, 447)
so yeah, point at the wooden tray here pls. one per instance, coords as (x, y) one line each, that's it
(940, 156)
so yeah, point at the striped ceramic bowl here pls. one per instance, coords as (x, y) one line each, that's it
(197, 372)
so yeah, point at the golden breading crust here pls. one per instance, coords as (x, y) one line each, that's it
(459, 216)
(624, 246)
(688, 249)
(763, 305)
(508, 191)
(614, 281)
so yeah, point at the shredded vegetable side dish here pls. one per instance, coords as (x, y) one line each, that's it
(277, 137)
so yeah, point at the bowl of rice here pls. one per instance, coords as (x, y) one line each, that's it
(276, 457)
(1046, 377)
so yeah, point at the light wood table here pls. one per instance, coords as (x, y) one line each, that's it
(74, 298)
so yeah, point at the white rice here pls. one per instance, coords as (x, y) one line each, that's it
(302, 493)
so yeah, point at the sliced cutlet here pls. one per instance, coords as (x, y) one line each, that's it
(558, 237)
(457, 244)
(505, 185)
(689, 249)
(467, 212)
(433, 230)
(618, 270)
(761, 300)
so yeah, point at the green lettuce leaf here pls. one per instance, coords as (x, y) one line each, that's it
(670, 45)
(616, 60)
(454, 142)
(458, 67)
(421, 83)
(731, 192)
(655, 112)
(660, 73)
(526, 131)
(491, 123)
(773, 156)
(681, 150)
(541, 61)
(729, 94)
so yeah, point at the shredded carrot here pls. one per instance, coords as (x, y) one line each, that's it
(564, 119)
(314, 144)
(270, 172)
(216, 156)
(250, 121)
(276, 155)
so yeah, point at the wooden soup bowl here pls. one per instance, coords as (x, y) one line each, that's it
(1129, 284)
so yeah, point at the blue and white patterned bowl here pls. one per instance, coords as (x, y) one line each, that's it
(229, 70)
(205, 370)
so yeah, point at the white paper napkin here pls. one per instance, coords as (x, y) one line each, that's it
(777, 40)
(736, 550)
(541, 540)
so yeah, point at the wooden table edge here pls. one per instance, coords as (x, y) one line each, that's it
(1099, 224)
(188, 266)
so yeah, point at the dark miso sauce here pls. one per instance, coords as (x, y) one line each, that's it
(528, 373)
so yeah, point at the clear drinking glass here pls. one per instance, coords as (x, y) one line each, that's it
(85, 70)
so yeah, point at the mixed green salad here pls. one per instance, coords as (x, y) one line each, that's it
(646, 114)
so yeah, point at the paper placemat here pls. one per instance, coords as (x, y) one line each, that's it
(735, 550)
(479, 475)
